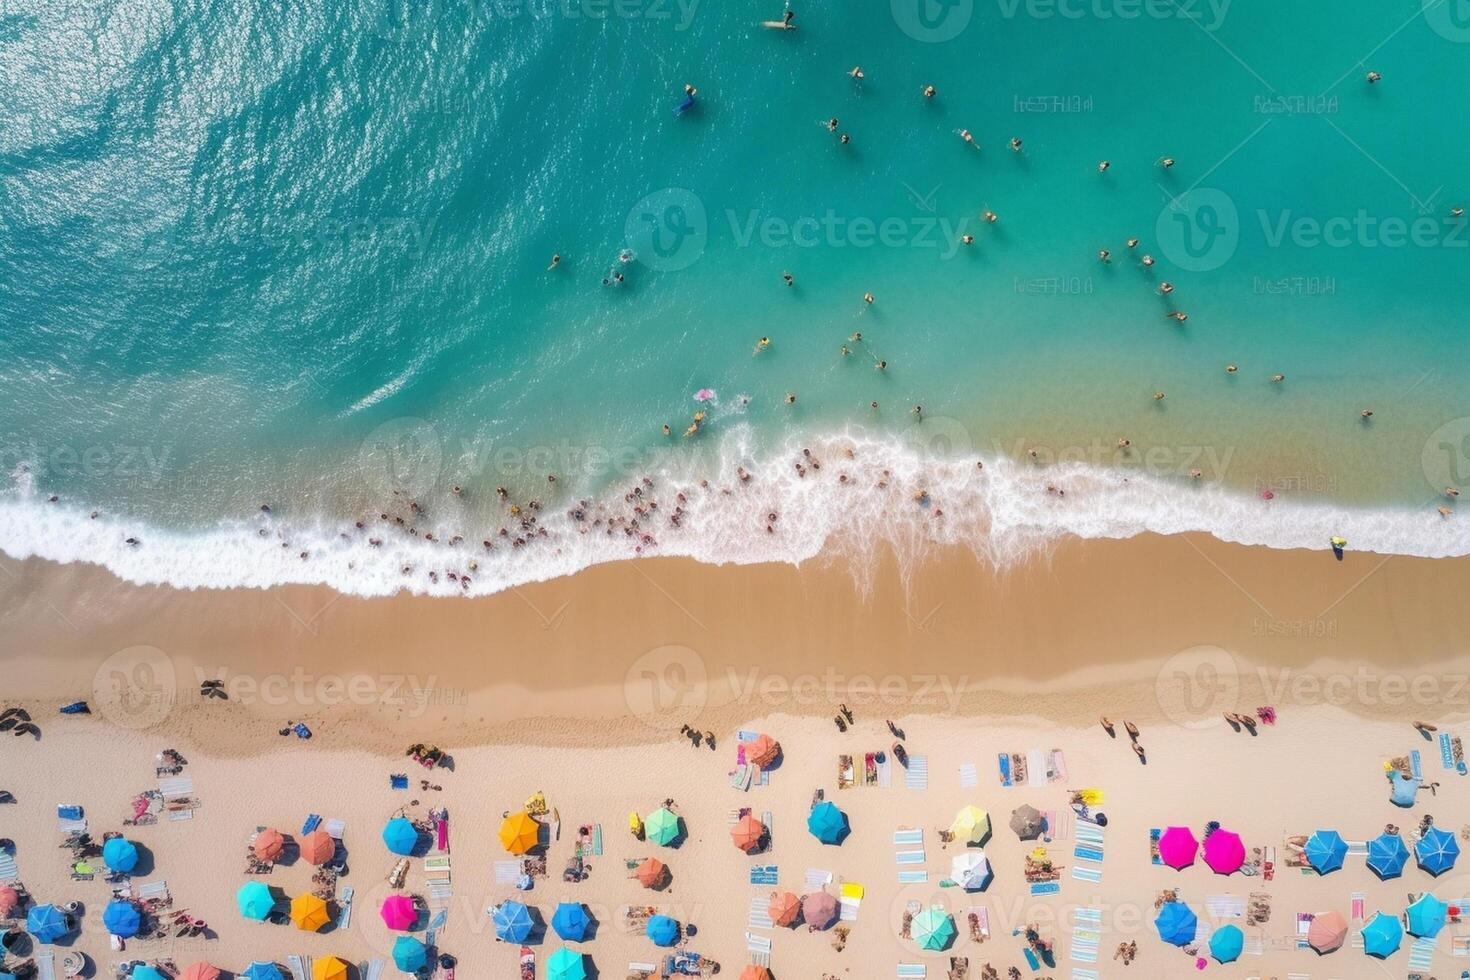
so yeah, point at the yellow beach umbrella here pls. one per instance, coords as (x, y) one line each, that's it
(519, 833)
(971, 825)
(328, 968)
(309, 912)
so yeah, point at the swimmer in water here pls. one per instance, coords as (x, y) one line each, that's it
(857, 72)
(555, 261)
(1231, 369)
(788, 278)
(967, 239)
(1102, 166)
(880, 366)
(1104, 255)
(762, 344)
(690, 90)
(846, 351)
(867, 299)
(788, 17)
(1373, 78)
(1179, 315)
(1165, 288)
(832, 125)
(965, 135)
(930, 91)
(990, 216)
(667, 430)
(1366, 414)
(791, 398)
(844, 139)
(1015, 145)
(1457, 212)
(1158, 396)
(918, 411)
(1147, 260)
(1277, 378)
(1132, 243)
(1166, 162)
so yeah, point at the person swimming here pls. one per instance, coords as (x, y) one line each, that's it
(832, 125)
(1104, 255)
(1015, 144)
(967, 239)
(965, 135)
(1373, 77)
(868, 300)
(1102, 166)
(856, 73)
(555, 261)
(689, 93)
(844, 139)
(1166, 162)
(1147, 260)
(788, 278)
(930, 91)
(1231, 369)
(762, 344)
(1165, 288)
(990, 216)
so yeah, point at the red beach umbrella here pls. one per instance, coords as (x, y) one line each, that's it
(748, 834)
(269, 844)
(785, 909)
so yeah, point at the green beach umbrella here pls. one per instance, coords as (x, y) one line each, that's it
(566, 964)
(661, 826)
(255, 900)
(933, 928)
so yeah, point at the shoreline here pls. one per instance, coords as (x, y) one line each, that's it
(1149, 625)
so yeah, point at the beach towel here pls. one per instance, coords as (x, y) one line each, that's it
(759, 916)
(817, 879)
(763, 874)
(1036, 767)
(908, 837)
(909, 857)
(1004, 761)
(756, 943)
(335, 828)
(1080, 974)
(1086, 934)
(8, 870)
(910, 970)
(1358, 899)
(45, 966)
(1087, 853)
(1045, 887)
(1084, 872)
(344, 905)
(311, 822)
(885, 773)
(507, 872)
(913, 877)
(916, 777)
(372, 970)
(1416, 765)
(1057, 772)
(1225, 906)
(1154, 833)
(297, 966)
(969, 777)
(1421, 954)
(1446, 751)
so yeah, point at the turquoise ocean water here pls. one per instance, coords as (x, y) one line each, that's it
(297, 255)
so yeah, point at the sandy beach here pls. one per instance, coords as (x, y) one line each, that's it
(578, 687)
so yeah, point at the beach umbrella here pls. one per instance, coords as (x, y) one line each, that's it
(1325, 850)
(754, 972)
(328, 968)
(259, 970)
(827, 823)
(784, 909)
(269, 844)
(1226, 943)
(1436, 851)
(400, 836)
(318, 847)
(970, 870)
(1177, 847)
(120, 854)
(748, 833)
(933, 928)
(1426, 916)
(971, 825)
(764, 751)
(409, 955)
(1224, 852)
(1026, 822)
(1387, 856)
(145, 972)
(1176, 923)
(46, 923)
(1383, 935)
(566, 964)
(398, 912)
(661, 826)
(519, 832)
(1327, 932)
(663, 930)
(200, 971)
(9, 899)
(309, 913)
(122, 918)
(570, 921)
(512, 921)
(651, 872)
(819, 909)
(255, 901)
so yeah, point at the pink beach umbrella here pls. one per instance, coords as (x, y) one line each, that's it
(398, 912)
(1224, 852)
(1327, 932)
(1177, 847)
(200, 971)
(9, 900)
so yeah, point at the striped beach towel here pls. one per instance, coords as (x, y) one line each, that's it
(1046, 887)
(817, 879)
(912, 877)
(1088, 853)
(1080, 974)
(916, 777)
(1086, 934)
(1084, 873)
(908, 837)
(759, 916)
(8, 870)
(1446, 751)
(912, 971)
(507, 872)
(1225, 906)
(757, 944)
(1421, 954)
(909, 857)
(1416, 765)
(1004, 762)
(969, 777)
(763, 874)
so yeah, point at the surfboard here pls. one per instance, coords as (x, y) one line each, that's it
(777, 25)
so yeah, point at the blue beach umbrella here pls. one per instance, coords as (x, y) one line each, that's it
(122, 919)
(1176, 923)
(1436, 851)
(663, 930)
(1387, 856)
(1226, 943)
(512, 922)
(46, 923)
(566, 964)
(827, 823)
(1426, 916)
(255, 901)
(145, 972)
(1325, 850)
(409, 955)
(258, 970)
(400, 836)
(1383, 935)
(120, 854)
(570, 921)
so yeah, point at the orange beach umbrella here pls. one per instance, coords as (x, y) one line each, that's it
(328, 968)
(269, 844)
(318, 847)
(748, 834)
(520, 832)
(784, 909)
(309, 912)
(651, 872)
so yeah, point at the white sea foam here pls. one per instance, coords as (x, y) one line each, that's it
(1004, 511)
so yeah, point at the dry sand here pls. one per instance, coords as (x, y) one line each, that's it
(578, 687)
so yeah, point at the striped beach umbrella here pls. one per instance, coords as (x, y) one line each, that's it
(1226, 943)
(1325, 850)
(255, 901)
(409, 955)
(662, 826)
(1387, 855)
(1436, 851)
(120, 854)
(1383, 935)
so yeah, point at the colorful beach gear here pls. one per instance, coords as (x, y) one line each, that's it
(146, 971)
(318, 847)
(784, 909)
(764, 751)
(1325, 850)
(819, 909)
(1224, 852)
(269, 843)
(1327, 932)
(651, 873)
(748, 834)
(827, 823)
(970, 870)
(570, 921)
(1226, 943)
(122, 919)
(512, 921)
(566, 964)
(1176, 923)
(409, 954)
(255, 900)
(260, 970)
(663, 930)
(1026, 821)
(309, 913)
(120, 854)
(200, 971)
(519, 832)
(400, 836)
(1178, 847)
(1436, 851)
(933, 928)
(1383, 935)
(971, 825)
(1426, 916)
(328, 968)
(1387, 855)
(46, 923)
(662, 826)
(399, 912)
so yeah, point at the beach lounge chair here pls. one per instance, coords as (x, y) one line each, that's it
(297, 966)
(372, 970)
(45, 966)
